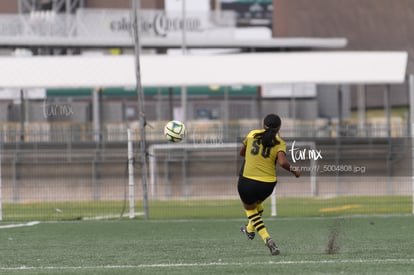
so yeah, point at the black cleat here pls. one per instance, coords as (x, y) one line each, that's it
(270, 243)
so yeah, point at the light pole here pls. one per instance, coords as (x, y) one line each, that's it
(140, 94)
(184, 52)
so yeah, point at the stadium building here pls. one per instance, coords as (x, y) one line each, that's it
(68, 142)
(258, 26)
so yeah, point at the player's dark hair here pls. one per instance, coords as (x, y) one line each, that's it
(271, 124)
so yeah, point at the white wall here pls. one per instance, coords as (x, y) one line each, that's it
(190, 5)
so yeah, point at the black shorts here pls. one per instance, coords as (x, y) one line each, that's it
(252, 191)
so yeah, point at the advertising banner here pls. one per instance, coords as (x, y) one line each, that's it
(154, 24)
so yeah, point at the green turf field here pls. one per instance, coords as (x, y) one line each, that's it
(345, 235)
(198, 209)
(361, 245)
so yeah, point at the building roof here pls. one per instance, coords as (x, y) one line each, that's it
(273, 43)
(193, 70)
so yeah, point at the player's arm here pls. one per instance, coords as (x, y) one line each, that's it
(284, 163)
(243, 150)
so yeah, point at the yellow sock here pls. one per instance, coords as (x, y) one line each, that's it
(250, 227)
(260, 209)
(255, 218)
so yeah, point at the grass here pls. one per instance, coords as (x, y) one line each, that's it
(310, 207)
(187, 209)
(316, 236)
(365, 245)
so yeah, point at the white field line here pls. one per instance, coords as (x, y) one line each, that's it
(219, 263)
(18, 225)
(113, 219)
(110, 217)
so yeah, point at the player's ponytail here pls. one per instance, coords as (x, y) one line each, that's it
(271, 124)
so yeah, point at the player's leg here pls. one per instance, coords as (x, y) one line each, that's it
(247, 194)
(252, 193)
(262, 190)
(250, 227)
(254, 213)
(256, 221)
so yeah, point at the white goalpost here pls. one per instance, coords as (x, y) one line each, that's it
(312, 178)
(411, 92)
(131, 192)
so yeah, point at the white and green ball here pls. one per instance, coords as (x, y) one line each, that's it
(175, 131)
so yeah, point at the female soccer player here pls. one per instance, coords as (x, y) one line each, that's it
(261, 150)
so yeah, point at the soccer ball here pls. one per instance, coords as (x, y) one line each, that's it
(174, 131)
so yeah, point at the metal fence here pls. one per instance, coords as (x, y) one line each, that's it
(210, 131)
(53, 175)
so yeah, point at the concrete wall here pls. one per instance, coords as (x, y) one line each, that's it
(9, 6)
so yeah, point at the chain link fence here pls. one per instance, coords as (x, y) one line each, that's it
(57, 176)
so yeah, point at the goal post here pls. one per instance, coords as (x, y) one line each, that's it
(155, 149)
(131, 193)
(312, 178)
(152, 151)
(411, 95)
